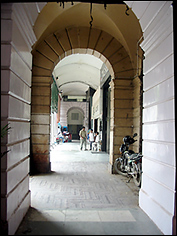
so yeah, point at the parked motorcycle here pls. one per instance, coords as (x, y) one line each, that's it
(129, 163)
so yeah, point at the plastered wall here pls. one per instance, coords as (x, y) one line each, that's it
(158, 189)
(16, 64)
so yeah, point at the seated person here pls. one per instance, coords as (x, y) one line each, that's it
(96, 143)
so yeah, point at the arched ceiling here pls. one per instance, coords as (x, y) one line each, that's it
(113, 20)
(66, 31)
(76, 73)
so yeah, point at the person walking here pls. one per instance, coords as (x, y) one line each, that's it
(91, 138)
(83, 136)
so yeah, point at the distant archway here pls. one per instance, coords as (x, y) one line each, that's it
(75, 120)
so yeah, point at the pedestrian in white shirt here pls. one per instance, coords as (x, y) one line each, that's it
(97, 139)
(91, 138)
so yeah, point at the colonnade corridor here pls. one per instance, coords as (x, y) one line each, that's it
(80, 197)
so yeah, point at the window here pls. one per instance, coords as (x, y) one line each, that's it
(74, 116)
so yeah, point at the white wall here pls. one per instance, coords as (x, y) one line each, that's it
(159, 167)
(17, 37)
(16, 65)
(53, 128)
(97, 104)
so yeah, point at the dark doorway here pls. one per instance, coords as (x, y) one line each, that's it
(89, 95)
(95, 125)
(106, 115)
(74, 130)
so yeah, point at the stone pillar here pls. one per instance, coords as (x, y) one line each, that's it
(121, 116)
(40, 125)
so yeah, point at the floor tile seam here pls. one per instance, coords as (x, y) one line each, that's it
(75, 162)
(72, 193)
(68, 215)
(82, 183)
(84, 194)
(98, 180)
(80, 197)
(115, 208)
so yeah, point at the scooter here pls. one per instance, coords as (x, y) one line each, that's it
(129, 163)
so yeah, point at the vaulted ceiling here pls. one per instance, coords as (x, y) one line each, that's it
(76, 73)
(112, 37)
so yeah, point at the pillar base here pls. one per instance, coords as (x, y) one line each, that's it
(110, 168)
(38, 166)
(42, 168)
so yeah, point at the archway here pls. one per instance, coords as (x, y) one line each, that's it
(75, 118)
(115, 50)
(156, 20)
(77, 76)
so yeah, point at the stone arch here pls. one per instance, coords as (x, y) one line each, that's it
(112, 50)
(88, 51)
(97, 42)
(76, 107)
(89, 65)
(73, 105)
(76, 123)
(113, 20)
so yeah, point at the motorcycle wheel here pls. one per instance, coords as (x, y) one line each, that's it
(137, 174)
(118, 167)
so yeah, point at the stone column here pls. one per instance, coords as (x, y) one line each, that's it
(121, 116)
(40, 124)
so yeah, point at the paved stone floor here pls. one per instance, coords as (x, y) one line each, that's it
(80, 197)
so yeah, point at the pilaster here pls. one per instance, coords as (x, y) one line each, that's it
(121, 115)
